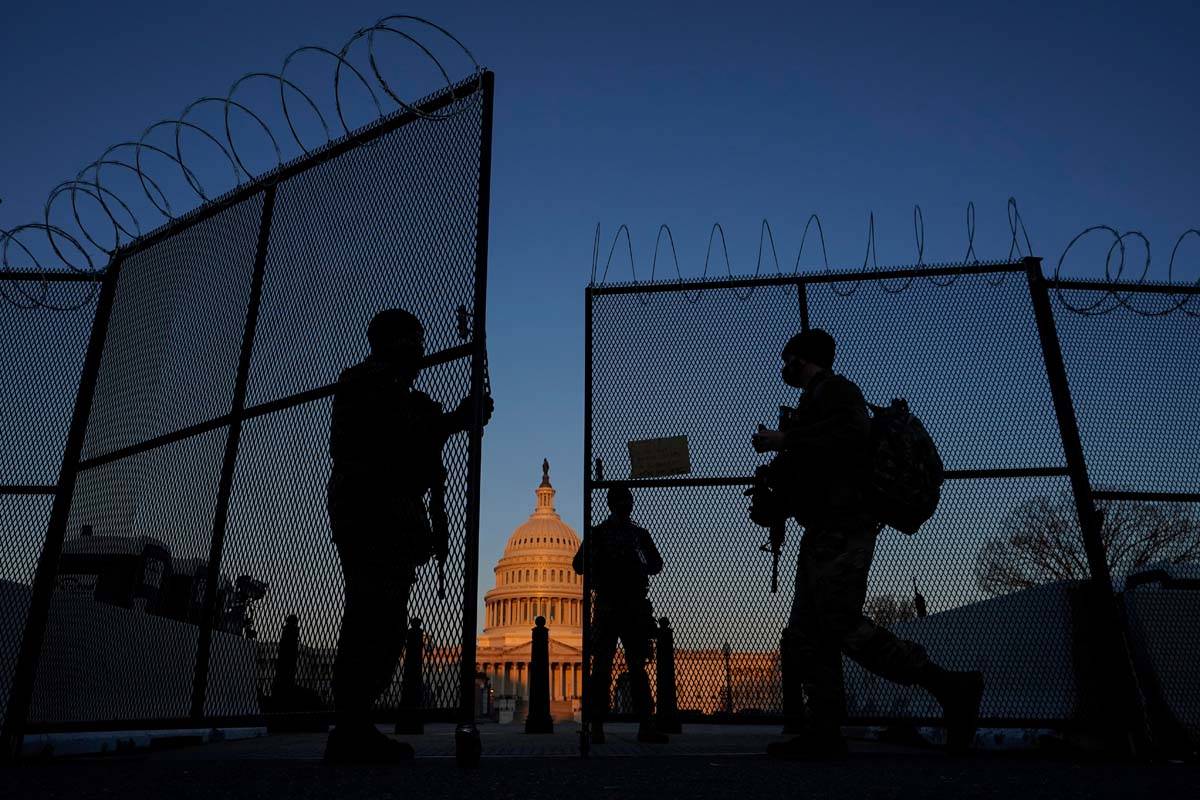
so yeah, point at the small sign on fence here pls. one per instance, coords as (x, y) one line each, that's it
(656, 458)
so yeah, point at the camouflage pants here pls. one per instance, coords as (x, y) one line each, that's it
(630, 622)
(827, 621)
(374, 624)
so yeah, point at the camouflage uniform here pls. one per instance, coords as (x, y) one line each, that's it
(818, 476)
(386, 443)
(622, 556)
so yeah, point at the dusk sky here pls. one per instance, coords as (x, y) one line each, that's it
(640, 114)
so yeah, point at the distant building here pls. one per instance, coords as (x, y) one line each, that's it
(140, 574)
(534, 578)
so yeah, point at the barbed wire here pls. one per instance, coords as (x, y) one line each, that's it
(1114, 291)
(80, 247)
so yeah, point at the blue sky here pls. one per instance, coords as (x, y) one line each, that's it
(644, 114)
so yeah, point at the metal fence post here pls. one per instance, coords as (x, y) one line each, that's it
(802, 292)
(586, 606)
(229, 462)
(20, 697)
(467, 735)
(1132, 720)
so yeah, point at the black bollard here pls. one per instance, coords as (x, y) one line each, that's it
(409, 720)
(667, 718)
(291, 708)
(285, 661)
(468, 747)
(538, 720)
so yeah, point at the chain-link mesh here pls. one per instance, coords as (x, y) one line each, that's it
(225, 340)
(1135, 382)
(44, 351)
(966, 353)
(1136, 387)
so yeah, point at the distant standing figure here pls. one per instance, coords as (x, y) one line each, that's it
(817, 477)
(621, 557)
(386, 441)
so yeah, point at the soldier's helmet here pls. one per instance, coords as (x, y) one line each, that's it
(394, 325)
(814, 345)
(620, 499)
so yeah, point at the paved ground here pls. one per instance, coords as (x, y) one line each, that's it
(704, 762)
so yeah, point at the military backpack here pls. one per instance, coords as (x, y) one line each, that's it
(904, 472)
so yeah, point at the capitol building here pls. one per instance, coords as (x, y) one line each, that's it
(534, 578)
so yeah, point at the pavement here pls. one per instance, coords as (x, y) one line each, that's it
(705, 761)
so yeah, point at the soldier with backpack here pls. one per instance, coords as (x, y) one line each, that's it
(842, 481)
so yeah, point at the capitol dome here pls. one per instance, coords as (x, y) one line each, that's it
(534, 578)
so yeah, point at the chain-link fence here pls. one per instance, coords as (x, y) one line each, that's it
(40, 373)
(1131, 359)
(993, 581)
(191, 518)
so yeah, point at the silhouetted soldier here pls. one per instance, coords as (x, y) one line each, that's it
(386, 441)
(621, 557)
(818, 477)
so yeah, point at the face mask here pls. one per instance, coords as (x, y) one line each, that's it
(405, 358)
(791, 373)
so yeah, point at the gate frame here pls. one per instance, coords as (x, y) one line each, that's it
(37, 619)
(1132, 722)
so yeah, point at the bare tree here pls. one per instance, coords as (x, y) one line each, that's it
(1041, 542)
(884, 609)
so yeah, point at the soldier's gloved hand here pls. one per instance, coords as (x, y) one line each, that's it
(766, 440)
(465, 410)
(441, 549)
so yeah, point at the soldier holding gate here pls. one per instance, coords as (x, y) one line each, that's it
(386, 441)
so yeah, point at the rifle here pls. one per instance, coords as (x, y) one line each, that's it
(765, 508)
(775, 547)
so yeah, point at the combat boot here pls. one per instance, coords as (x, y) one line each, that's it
(959, 694)
(820, 736)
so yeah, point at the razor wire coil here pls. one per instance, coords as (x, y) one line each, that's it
(82, 247)
(1117, 293)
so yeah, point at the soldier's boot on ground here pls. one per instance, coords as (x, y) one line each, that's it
(821, 737)
(597, 736)
(648, 734)
(959, 694)
(364, 744)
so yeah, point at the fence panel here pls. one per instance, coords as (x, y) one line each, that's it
(964, 349)
(1136, 386)
(44, 350)
(197, 522)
